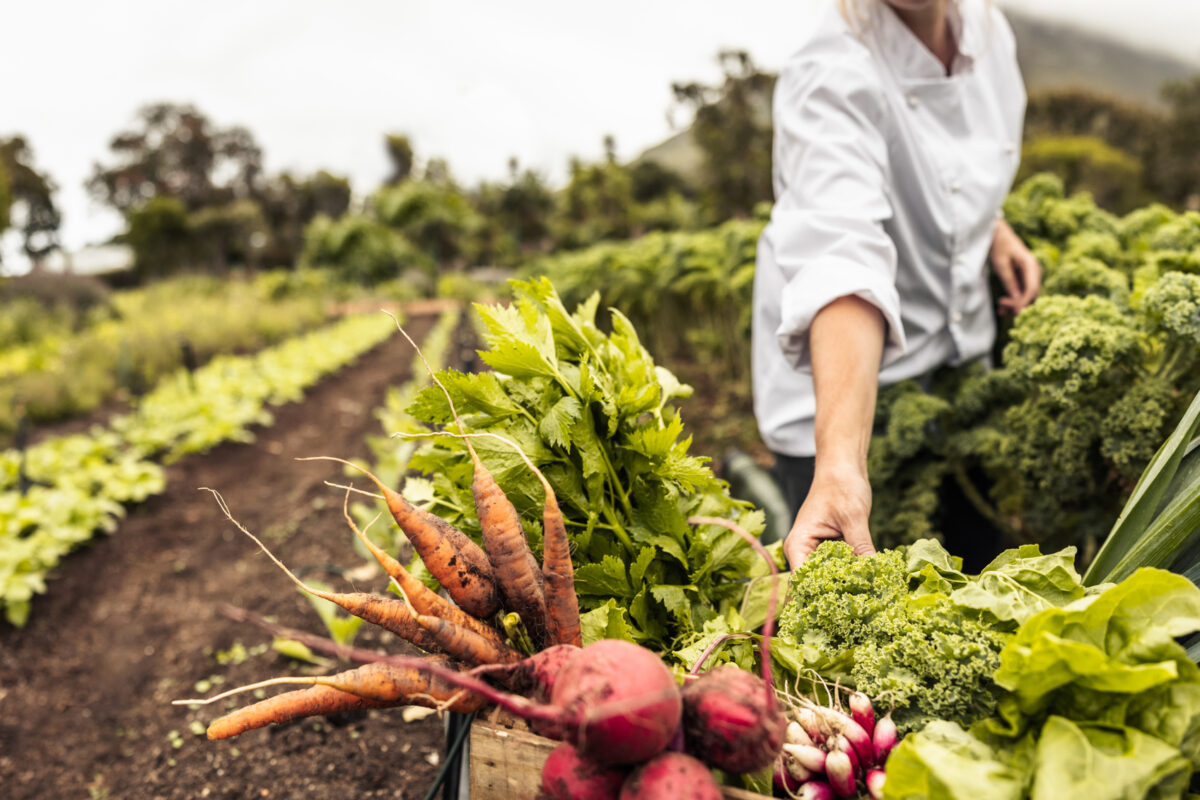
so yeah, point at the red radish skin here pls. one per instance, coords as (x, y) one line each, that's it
(815, 790)
(727, 723)
(839, 742)
(782, 778)
(885, 739)
(567, 776)
(839, 723)
(875, 781)
(676, 776)
(840, 771)
(862, 712)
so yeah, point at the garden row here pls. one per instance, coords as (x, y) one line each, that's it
(67, 346)
(61, 492)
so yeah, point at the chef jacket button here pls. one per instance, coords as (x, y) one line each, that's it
(956, 317)
(913, 102)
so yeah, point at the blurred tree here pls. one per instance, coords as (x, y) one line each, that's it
(160, 237)
(289, 203)
(435, 216)
(1179, 173)
(400, 154)
(516, 216)
(732, 127)
(596, 204)
(233, 232)
(362, 250)
(652, 181)
(175, 151)
(5, 199)
(32, 210)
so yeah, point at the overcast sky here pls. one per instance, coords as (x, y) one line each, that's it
(473, 81)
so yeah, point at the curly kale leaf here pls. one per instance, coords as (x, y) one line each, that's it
(930, 657)
(1080, 276)
(1070, 345)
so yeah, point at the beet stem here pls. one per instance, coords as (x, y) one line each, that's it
(772, 601)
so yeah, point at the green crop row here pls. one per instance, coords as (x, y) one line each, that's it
(61, 492)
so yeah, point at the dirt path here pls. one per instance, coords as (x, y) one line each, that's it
(130, 623)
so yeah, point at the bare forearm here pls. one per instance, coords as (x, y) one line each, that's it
(846, 341)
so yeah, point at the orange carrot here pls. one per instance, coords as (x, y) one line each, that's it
(562, 604)
(370, 686)
(422, 598)
(517, 574)
(387, 612)
(464, 644)
(462, 568)
(290, 706)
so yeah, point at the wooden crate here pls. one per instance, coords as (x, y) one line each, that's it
(506, 764)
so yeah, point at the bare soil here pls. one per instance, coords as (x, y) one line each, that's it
(131, 623)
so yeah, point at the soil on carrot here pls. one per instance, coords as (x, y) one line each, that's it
(132, 622)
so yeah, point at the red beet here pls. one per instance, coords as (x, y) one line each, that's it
(619, 702)
(728, 722)
(566, 776)
(673, 776)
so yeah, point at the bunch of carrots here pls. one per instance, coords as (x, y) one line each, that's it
(628, 730)
(459, 632)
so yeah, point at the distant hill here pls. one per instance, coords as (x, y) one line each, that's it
(1052, 55)
(1055, 55)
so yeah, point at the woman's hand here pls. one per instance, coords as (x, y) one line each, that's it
(837, 507)
(846, 339)
(1016, 267)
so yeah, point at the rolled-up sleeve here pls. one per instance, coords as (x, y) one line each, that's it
(827, 227)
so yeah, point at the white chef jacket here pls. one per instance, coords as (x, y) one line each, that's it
(889, 176)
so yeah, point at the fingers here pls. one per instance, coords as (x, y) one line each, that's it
(859, 539)
(802, 542)
(1004, 271)
(1031, 277)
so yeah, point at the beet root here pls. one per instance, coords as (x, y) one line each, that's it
(619, 703)
(567, 776)
(731, 722)
(674, 775)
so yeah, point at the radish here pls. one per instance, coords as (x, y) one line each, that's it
(862, 712)
(810, 757)
(875, 780)
(566, 776)
(841, 774)
(815, 790)
(676, 776)
(839, 742)
(796, 735)
(885, 739)
(797, 771)
(784, 779)
(731, 721)
(839, 723)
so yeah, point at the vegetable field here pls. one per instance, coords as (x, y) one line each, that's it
(133, 621)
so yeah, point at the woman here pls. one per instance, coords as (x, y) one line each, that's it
(897, 136)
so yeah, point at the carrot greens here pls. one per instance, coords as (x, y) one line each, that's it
(594, 412)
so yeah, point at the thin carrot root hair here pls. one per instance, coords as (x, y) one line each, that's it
(229, 515)
(250, 687)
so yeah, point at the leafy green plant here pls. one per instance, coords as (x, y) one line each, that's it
(595, 413)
